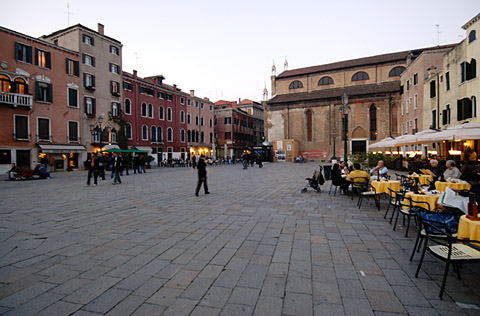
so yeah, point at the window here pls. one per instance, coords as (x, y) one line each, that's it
(72, 97)
(88, 40)
(188, 102)
(169, 134)
(211, 138)
(161, 112)
(88, 60)
(128, 130)
(434, 119)
(169, 114)
(433, 90)
(211, 123)
(196, 104)
(182, 117)
(359, 76)
(72, 67)
(415, 101)
(21, 127)
(150, 111)
(415, 79)
(72, 131)
(408, 85)
(89, 81)
(127, 86)
(144, 132)
(159, 134)
(395, 72)
(114, 68)
(42, 58)
(19, 86)
(465, 109)
(189, 121)
(114, 50)
(43, 125)
(211, 108)
(325, 81)
(447, 81)
(201, 105)
(128, 106)
(406, 106)
(115, 109)
(147, 91)
(43, 92)
(144, 109)
(373, 122)
(113, 135)
(446, 115)
(153, 133)
(309, 125)
(201, 121)
(182, 100)
(169, 97)
(468, 71)
(161, 95)
(228, 120)
(228, 135)
(295, 85)
(115, 88)
(90, 106)
(5, 157)
(202, 137)
(182, 135)
(23, 52)
(196, 120)
(472, 36)
(5, 84)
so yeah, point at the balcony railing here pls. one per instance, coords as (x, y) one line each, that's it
(16, 99)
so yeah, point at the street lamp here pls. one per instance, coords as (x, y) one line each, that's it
(345, 110)
(334, 135)
(97, 131)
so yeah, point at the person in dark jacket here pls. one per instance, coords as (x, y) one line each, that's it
(92, 164)
(117, 166)
(202, 175)
(337, 178)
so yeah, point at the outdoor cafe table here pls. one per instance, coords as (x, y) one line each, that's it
(382, 186)
(431, 199)
(468, 228)
(424, 179)
(440, 186)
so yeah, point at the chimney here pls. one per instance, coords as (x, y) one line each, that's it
(192, 93)
(239, 100)
(134, 73)
(174, 87)
(101, 28)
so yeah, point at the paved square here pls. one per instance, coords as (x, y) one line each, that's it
(255, 246)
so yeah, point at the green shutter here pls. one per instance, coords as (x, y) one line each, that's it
(36, 54)
(37, 90)
(48, 62)
(50, 94)
(29, 54)
(17, 48)
(76, 70)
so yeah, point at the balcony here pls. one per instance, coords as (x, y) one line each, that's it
(16, 99)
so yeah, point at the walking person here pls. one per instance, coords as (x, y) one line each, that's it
(101, 166)
(136, 164)
(259, 160)
(92, 164)
(143, 161)
(194, 161)
(244, 158)
(117, 165)
(202, 175)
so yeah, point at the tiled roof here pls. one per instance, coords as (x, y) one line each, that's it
(336, 93)
(78, 26)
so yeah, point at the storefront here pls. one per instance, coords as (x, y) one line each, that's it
(61, 157)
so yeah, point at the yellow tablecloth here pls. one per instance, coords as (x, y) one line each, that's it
(440, 186)
(382, 186)
(468, 228)
(424, 179)
(430, 199)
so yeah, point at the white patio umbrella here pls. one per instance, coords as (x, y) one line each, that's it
(405, 140)
(384, 143)
(463, 131)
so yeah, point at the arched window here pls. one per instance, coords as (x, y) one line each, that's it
(150, 110)
(182, 135)
(115, 109)
(161, 113)
(20, 86)
(159, 134)
(128, 131)
(211, 138)
(196, 137)
(325, 81)
(397, 71)
(189, 136)
(472, 36)
(182, 117)
(202, 137)
(169, 134)
(144, 109)
(373, 122)
(309, 125)
(394, 119)
(154, 134)
(128, 106)
(474, 106)
(144, 132)
(295, 85)
(359, 76)
(169, 114)
(5, 84)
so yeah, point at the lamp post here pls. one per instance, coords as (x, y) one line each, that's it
(345, 109)
(97, 131)
(334, 135)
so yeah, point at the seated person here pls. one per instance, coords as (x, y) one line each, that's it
(379, 169)
(358, 175)
(451, 172)
(337, 178)
(436, 169)
(474, 179)
(41, 171)
(345, 170)
(13, 172)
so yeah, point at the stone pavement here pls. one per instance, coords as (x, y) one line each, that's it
(254, 246)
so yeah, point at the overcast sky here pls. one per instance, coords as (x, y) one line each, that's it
(225, 49)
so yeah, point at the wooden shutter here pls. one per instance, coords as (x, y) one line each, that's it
(50, 94)
(93, 61)
(76, 68)
(36, 56)
(94, 106)
(48, 63)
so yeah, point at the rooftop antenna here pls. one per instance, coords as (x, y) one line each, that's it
(285, 64)
(136, 60)
(68, 13)
(438, 34)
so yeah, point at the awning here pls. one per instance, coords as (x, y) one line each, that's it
(145, 148)
(61, 149)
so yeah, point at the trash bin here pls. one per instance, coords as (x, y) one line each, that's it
(327, 170)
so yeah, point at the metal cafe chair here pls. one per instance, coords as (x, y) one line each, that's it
(368, 191)
(406, 209)
(395, 200)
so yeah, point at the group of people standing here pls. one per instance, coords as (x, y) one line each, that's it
(250, 159)
(96, 167)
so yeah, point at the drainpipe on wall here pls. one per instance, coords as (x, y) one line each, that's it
(390, 114)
